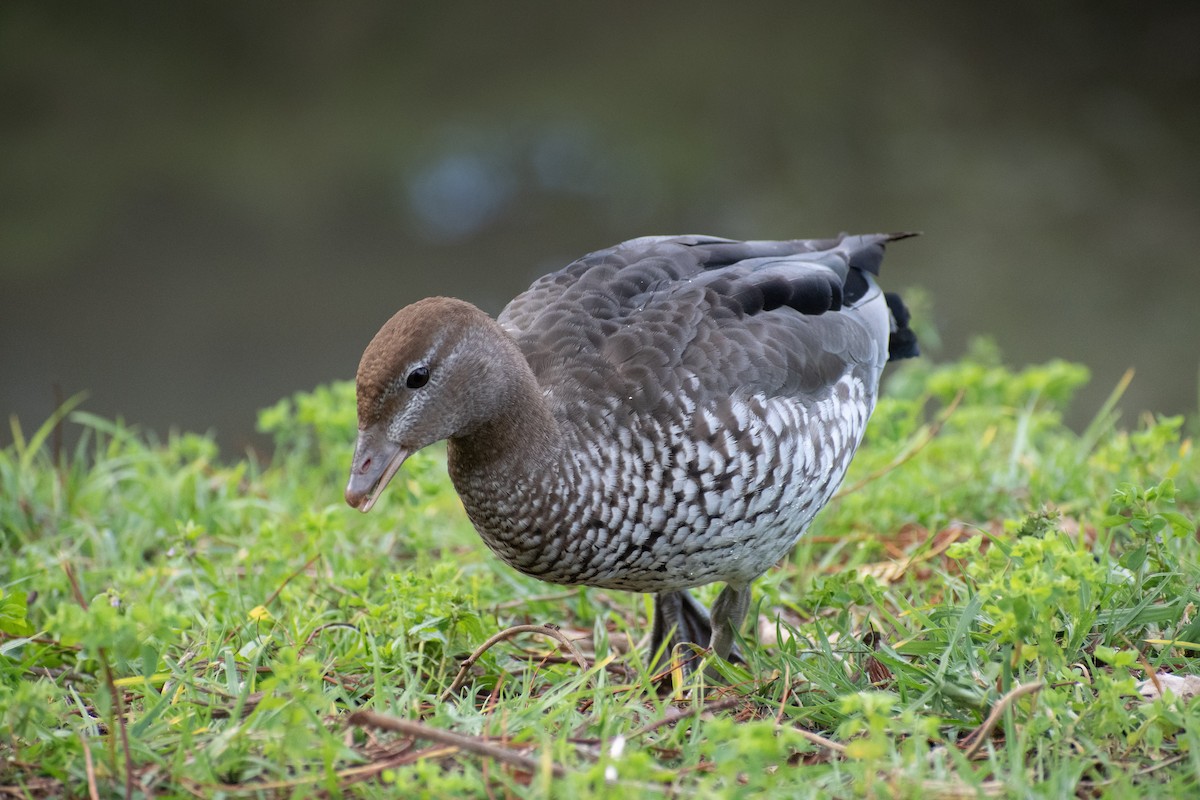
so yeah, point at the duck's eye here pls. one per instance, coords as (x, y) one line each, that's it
(417, 378)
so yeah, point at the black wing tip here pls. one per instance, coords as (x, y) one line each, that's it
(902, 343)
(868, 239)
(865, 251)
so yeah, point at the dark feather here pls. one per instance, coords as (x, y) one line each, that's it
(903, 342)
(761, 317)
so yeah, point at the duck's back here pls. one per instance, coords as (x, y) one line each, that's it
(710, 394)
(636, 323)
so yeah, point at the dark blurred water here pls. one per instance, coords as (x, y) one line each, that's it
(206, 206)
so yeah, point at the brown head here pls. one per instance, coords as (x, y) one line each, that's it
(432, 372)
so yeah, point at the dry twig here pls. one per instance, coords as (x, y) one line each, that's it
(289, 578)
(674, 715)
(471, 744)
(89, 769)
(974, 743)
(308, 640)
(508, 633)
(820, 741)
(787, 688)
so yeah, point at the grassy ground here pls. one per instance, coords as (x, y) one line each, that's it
(970, 618)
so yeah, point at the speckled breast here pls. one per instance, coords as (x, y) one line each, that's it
(667, 501)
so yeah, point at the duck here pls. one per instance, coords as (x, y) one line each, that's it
(666, 413)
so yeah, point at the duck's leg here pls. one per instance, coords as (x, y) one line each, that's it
(678, 619)
(678, 616)
(728, 613)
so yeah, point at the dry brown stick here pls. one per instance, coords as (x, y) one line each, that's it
(674, 670)
(89, 769)
(288, 580)
(48, 787)
(508, 633)
(320, 628)
(54, 673)
(1147, 668)
(490, 706)
(194, 789)
(674, 715)
(365, 771)
(1168, 762)
(118, 704)
(902, 565)
(974, 743)
(930, 434)
(952, 789)
(348, 775)
(471, 744)
(787, 687)
(41, 640)
(818, 740)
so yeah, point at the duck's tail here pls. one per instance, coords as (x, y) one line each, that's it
(902, 343)
(866, 254)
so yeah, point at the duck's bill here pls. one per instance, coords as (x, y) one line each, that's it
(376, 461)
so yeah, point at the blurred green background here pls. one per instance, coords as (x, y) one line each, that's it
(205, 206)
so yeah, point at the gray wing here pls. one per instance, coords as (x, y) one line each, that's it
(640, 323)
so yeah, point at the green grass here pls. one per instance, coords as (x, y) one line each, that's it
(970, 620)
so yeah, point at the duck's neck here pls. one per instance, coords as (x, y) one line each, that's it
(521, 438)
